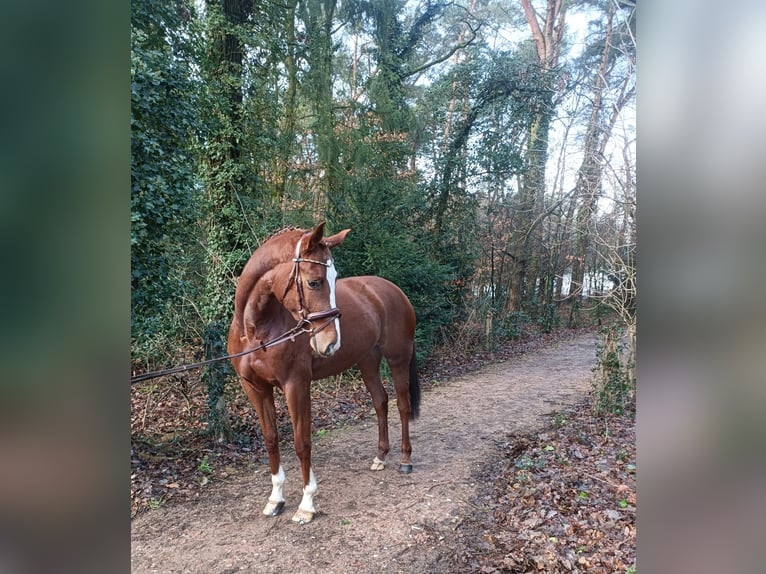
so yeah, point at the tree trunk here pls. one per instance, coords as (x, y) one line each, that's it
(527, 239)
(224, 182)
(288, 129)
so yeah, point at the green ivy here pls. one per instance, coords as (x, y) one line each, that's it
(614, 390)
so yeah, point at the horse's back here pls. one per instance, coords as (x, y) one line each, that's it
(375, 298)
(374, 290)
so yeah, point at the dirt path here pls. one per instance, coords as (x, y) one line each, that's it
(370, 521)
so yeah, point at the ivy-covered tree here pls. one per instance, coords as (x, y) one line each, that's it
(547, 29)
(228, 185)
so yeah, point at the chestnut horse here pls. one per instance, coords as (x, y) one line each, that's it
(288, 292)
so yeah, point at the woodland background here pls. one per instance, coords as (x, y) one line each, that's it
(482, 152)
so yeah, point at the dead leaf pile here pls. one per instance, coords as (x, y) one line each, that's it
(558, 501)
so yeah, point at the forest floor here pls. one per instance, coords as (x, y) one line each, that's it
(512, 473)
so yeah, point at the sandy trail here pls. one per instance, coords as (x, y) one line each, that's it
(370, 521)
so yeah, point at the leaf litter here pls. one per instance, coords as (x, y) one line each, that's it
(559, 500)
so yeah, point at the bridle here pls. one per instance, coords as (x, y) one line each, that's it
(307, 318)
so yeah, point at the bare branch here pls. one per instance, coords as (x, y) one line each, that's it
(448, 55)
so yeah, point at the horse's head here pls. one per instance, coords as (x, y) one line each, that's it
(309, 292)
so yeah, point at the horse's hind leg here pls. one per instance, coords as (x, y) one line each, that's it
(262, 398)
(370, 369)
(400, 371)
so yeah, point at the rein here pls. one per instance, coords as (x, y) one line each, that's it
(301, 327)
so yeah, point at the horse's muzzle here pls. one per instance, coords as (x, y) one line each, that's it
(321, 346)
(329, 350)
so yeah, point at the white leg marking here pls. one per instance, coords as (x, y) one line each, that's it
(378, 464)
(277, 482)
(277, 498)
(307, 503)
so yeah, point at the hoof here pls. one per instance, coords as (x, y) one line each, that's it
(274, 508)
(405, 468)
(303, 517)
(378, 464)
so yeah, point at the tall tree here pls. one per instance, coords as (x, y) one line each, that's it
(547, 35)
(603, 115)
(378, 195)
(289, 124)
(318, 16)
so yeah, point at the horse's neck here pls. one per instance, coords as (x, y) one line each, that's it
(260, 314)
(260, 264)
(263, 316)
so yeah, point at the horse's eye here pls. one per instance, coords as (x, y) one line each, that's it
(314, 283)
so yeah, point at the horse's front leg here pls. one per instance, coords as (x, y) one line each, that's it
(262, 398)
(299, 405)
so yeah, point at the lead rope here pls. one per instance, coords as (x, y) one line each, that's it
(330, 315)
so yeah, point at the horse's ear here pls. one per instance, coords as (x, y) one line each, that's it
(315, 236)
(337, 239)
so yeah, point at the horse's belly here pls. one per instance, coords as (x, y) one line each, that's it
(328, 366)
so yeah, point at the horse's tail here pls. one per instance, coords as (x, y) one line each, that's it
(414, 387)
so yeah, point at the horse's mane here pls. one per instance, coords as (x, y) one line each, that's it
(281, 231)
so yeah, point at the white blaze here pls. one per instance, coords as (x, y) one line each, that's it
(332, 275)
(298, 248)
